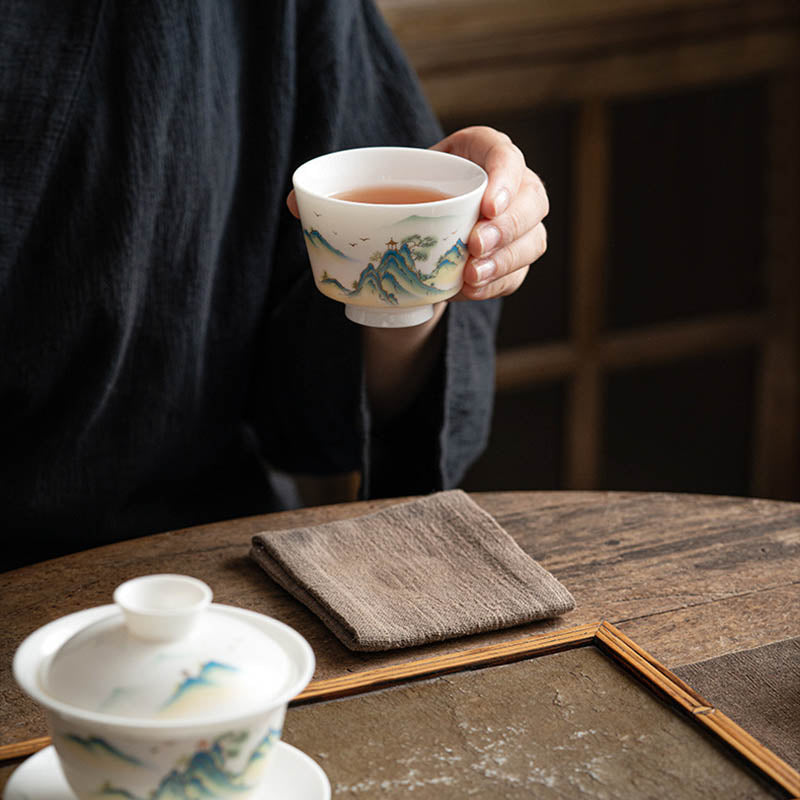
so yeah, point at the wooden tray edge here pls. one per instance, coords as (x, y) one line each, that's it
(603, 635)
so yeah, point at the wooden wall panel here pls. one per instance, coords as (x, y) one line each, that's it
(724, 75)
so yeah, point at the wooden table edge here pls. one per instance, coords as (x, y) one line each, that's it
(603, 635)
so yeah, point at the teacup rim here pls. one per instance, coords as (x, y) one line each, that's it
(437, 154)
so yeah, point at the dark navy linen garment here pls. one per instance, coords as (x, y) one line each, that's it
(162, 344)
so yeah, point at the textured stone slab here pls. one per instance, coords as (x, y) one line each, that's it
(567, 725)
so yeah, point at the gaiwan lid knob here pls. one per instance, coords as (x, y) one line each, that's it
(166, 653)
(162, 608)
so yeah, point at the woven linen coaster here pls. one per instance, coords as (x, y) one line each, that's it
(416, 572)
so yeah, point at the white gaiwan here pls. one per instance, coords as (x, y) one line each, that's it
(164, 695)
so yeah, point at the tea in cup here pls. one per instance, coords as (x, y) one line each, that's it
(386, 229)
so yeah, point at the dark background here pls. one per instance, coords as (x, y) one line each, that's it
(681, 374)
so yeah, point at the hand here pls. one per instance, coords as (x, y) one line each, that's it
(510, 234)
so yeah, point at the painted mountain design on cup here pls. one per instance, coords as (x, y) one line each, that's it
(452, 261)
(211, 675)
(315, 239)
(393, 275)
(192, 692)
(99, 748)
(203, 774)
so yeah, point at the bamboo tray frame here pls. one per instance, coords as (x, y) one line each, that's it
(610, 641)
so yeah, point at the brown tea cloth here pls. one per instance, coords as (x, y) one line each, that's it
(421, 571)
(758, 689)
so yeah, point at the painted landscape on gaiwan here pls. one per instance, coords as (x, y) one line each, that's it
(205, 773)
(392, 275)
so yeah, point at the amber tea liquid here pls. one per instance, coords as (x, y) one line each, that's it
(388, 194)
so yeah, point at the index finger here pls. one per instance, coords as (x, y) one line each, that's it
(498, 155)
(291, 202)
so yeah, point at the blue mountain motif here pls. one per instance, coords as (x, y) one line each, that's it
(327, 279)
(316, 239)
(395, 276)
(420, 218)
(204, 776)
(96, 745)
(206, 677)
(454, 257)
(206, 771)
(394, 285)
(111, 791)
(370, 282)
(119, 693)
(400, 265)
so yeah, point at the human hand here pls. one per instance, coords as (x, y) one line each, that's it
(510, 234)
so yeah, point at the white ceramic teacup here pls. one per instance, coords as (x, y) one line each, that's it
(388, 262)
(169, 696)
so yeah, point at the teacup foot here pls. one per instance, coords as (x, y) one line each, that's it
(388, 317)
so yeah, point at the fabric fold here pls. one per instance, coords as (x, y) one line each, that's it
(420, 571)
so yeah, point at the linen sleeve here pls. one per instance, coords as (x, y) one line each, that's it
(355, 88)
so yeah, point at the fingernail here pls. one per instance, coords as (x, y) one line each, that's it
(502, 200)
(484, 270)
(489, 237)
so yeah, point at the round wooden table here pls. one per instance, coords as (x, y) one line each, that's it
(687, 577)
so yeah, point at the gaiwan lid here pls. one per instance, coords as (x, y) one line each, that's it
(167, 654)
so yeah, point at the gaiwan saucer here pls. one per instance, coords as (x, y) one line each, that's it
(290, 774)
